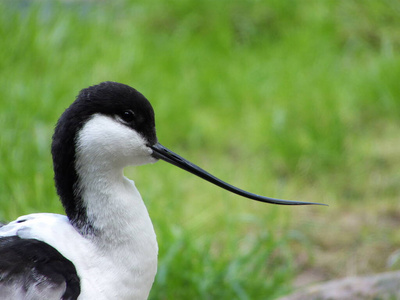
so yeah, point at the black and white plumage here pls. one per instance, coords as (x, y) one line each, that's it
(105, 247)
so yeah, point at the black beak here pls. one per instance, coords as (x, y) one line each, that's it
(160, 152)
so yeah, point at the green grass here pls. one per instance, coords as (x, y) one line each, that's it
(282, 98)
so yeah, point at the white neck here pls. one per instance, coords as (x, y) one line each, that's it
(115, 209)
(124, 232)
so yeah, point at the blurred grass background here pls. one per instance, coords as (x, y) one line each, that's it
(289, 99)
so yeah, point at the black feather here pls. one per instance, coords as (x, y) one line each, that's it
(27, 264)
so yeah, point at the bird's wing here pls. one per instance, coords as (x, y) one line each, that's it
(32, 269)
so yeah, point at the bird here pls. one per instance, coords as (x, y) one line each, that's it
(105, 246)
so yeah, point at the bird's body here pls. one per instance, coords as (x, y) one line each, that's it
(105, 247)
(117, 270)
(106, 271)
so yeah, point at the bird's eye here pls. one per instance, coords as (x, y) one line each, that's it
(127, 116)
